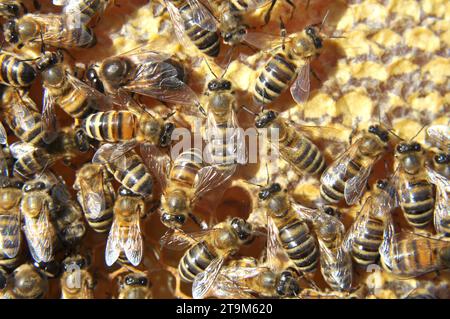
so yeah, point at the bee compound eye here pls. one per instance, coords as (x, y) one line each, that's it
(180, 219)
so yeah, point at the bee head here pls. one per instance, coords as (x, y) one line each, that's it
(403, 148)
(313, 33)
(10, 32)
(242, 229)
(51, 269)
(219, 85)
(176, 210)
(166, 135)
(135, 280)
(265, 193)
(115, 70)
(378, 131)
(34, 186)
(265, 119)
(410, 156)
(82, 141)
(72, 263)
(93, 78)
(13, 9)
(49, 59)
(332, 211)
(287, 285)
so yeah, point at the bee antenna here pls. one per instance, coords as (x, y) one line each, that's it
(418, 132)
(324, 20)
(228, 63)
(168, 116)
(268, 175)
(210, 69)
(249, 111)
(254, 184)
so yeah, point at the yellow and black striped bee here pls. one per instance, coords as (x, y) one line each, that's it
(193, 21)
(26, 283)
(96, 196)
(35, 206)
(372, 225)
(125, 239)
(416, 193)
(142, 71)
(289, 66)
(346, 178)
(84, 10)
(10, 223)
(294, 145)
(76, 280)
(135, 286)
(55, 30)
(412, 255)
(16, 72)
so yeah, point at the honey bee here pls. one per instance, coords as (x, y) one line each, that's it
(76, 281)
(27, 283)
(144, 72)
(35, 206)
(416, 193)
(135, 286)
(126, 166)
(18, 72)
(290, 63)
(56, 30)
(10, 223)
(207, 251)
(294, 145)
(96, 196)
(412, 255)
(85, 10)
(372, 225)
(125, 239)
(193, 21)
(347, 176)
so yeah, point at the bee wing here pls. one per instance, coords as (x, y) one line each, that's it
(442, 206)
(263, 41)
(3, 135)
(72, 7)
(338, 264)
(276, 257)
(356, 185)
(133, 246)
(104, 102)
(306, 213)
(439, 136)
(114, 154)
(39, 234)
(359, 225)
(225, 287)
(93, 196)
(160, 80)
(202, 16)
(157, 162)
(19, 149)
(205, 280)
(176, 239)
(10, 234)
(113, 247)
(211, 177)
(178, 22)
(302, 85)
(315, 132)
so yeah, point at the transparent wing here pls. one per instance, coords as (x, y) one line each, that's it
(355, 186)
(157, 162)
(359, 225)
(178, 22)
(10, 234)
(49, 115)
(104, 102)
(133, 247)
(302, 85)
(205, 280)
(3, 135)
(338, 265)
(442, 206)
(113, 248)
(264, 41)
(176, 239)
(225, 287)
(439, 135)
(276, 257)
(211, 177)
(20, 149)
(40, 233)
(93, 197)
(318, 132)
(202, 16)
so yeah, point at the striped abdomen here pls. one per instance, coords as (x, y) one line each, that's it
(132, 173)
(222, 148)
(417, 202)
(274, 78)
(195, 261)
(185, 168)
(102, 222)
(300, 245)
(206, 41)
(33, 162)
(88, 8)
(334, 179)
(9, 231)
(29, 128)
(307, 158)
(15, 72)
(110, 126)
(365, 247)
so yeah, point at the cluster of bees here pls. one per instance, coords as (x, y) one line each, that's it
(118, 185)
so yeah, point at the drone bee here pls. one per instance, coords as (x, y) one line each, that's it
(125, 239)
(372, 225)
(347, 176)
(191, 19)
(17, 72)
(416, 193)
(412, 255)
(144, 72)
(27, 283)
(76, 281)
(56, 30)
(35, 206)
(96, 196)
(135, 286)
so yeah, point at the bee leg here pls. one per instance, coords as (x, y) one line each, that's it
(269, 12)
(293, 6)
(36, 5)
(283, 33)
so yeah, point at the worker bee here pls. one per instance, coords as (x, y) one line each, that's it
(10, 223)
(96, 196)
(293, 144)
(84, 10)
(56, 30)
(372, 225)
(412, 255)
(17, 72)
(76, 281)
(144, 72)
(35, 206)
(125, 238)
(347, 176)
(192, 20)
(126, 166)
(26, 283)
(207, 251)
(135, 286)
(22, 116)
(290, 63)
(416, 193)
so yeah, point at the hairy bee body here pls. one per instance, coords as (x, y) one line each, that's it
(16, 72)
(195, 261)
(76, 281)
(206, 41)
(27, 283)
(33, 162)
(135, 286)
(110, 126)
(365, 247)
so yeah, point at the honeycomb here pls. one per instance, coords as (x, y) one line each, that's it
(385, 60)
